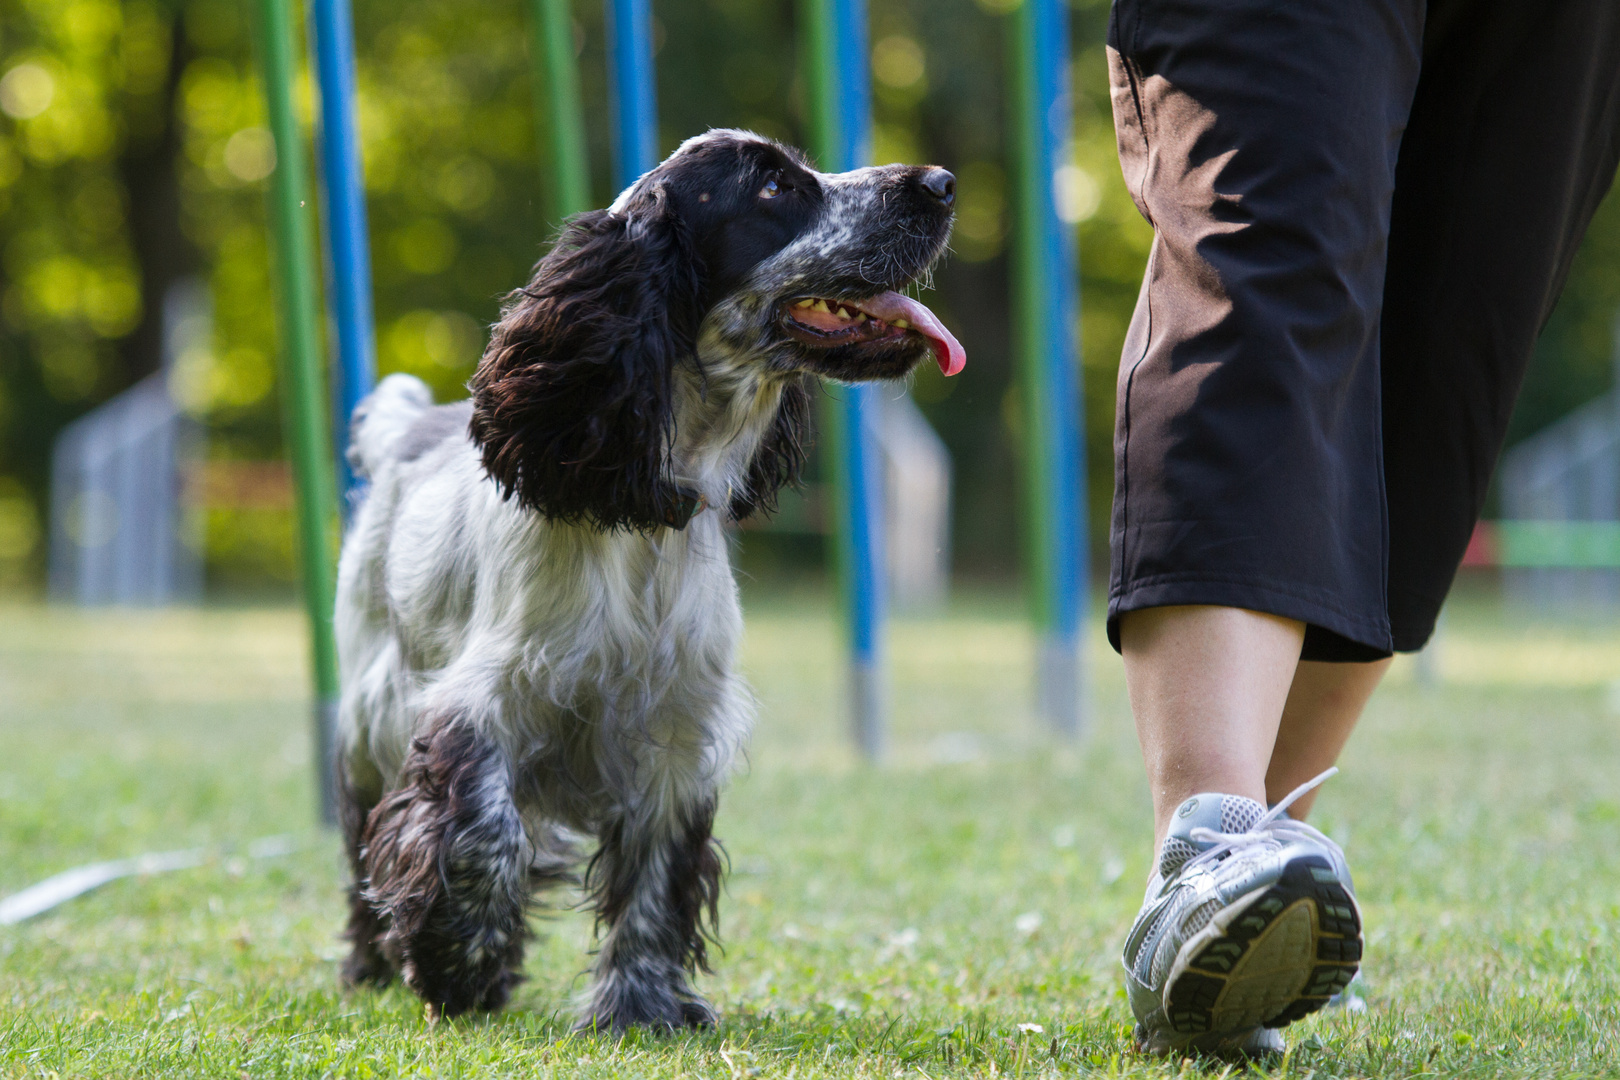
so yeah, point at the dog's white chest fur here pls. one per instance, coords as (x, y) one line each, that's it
(591, 654)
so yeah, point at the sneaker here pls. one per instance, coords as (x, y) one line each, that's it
(1258, 1044)
(1353, 998)
(1249, 924)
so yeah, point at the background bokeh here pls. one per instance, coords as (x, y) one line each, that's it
(132, 155)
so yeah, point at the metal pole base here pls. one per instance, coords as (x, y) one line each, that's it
(1426, 664)
(866, 708)
(1060, 690)
(326, 759)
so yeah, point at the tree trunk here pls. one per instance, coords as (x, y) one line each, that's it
(150, 166)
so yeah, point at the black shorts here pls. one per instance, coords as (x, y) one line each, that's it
(1364, 212)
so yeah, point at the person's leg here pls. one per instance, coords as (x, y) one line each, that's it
(1222, 703)
(1511, 145)
(1324, 703)
(1207, 688)
(1224, 138)
(1502, 166)
(1249, 921)
(1260, 141)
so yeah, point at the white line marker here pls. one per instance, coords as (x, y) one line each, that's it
(62, 887)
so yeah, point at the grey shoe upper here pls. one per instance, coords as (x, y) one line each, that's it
(1188, 889)
(1216, 813)
(1219, 848)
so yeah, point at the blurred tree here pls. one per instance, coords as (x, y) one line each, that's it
(70, 283)
(1576, 357)
(132, 152)
(155, 52)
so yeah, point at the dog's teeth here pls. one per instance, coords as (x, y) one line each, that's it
(843, 313)
(806, 302)
(821, 305)
(902, 324)
(860, 316)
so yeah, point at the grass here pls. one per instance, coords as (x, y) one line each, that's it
(907, 920)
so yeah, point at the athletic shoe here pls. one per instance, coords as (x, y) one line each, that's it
(1353, 998)
(1258, 1043)
(1249, 924)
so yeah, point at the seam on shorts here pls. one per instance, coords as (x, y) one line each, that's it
(1132, 75)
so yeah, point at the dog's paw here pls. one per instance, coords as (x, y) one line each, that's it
(452, 983)
(692, 1015)
(498, 992)
(698, 1013)
(365, 967)
(622, 1001)
(491, 998)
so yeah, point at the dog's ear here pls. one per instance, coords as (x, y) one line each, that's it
(780, 457)
(572, 399)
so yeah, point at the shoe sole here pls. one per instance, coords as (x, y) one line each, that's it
(1269, 958)
(1256, 1044)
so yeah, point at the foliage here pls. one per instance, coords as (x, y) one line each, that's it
(1579, 351)
(905, 920)
(112, 106)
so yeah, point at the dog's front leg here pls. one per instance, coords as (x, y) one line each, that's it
(654, 882)
(366, 964)
(447, 868)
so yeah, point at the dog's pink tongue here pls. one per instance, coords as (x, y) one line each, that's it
(890, 306)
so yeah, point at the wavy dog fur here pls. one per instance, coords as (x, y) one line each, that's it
(571, 404)
(536, 615)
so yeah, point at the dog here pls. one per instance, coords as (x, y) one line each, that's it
(536, 616)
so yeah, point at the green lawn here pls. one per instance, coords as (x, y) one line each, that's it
(895, 921)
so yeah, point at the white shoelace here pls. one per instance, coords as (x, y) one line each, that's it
(1272, 828)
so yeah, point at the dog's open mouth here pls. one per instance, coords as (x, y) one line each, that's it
(828, 324)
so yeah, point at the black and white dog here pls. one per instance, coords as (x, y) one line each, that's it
(536, 616)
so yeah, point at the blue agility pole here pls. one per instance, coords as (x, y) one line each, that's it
(860, 557)
(634, 94)
(841, 119)
(1046, 301)
(347, 248)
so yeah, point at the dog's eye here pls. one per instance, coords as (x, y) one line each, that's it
(771, 189)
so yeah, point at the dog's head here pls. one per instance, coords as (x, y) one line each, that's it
(735, 258)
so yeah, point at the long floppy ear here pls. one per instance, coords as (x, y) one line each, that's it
(780, 457)
(572, 399)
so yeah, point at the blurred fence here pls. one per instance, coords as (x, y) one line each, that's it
(915, 479)
(1559, 540)
(118, 526)
(917, 505)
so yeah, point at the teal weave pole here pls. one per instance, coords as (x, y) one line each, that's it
(559, 117)
(303, 379)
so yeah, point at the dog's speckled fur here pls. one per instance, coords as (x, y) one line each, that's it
(529, 653)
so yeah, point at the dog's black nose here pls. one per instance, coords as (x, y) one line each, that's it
(941, 184)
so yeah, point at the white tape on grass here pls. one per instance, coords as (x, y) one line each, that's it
(37, 899)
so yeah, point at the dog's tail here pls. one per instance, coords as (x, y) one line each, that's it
(382, 418)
